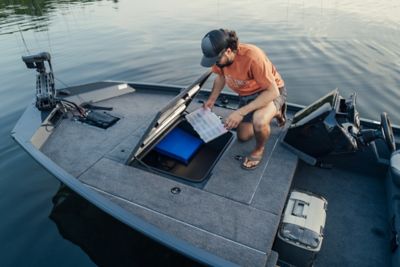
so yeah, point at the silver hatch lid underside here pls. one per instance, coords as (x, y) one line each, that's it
(168, 115)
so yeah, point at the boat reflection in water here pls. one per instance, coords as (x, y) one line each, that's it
(104, 239)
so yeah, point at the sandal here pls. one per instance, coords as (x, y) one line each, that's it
(251, 159)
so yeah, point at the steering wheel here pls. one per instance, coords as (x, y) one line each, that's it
(352, 112)
(387, 131)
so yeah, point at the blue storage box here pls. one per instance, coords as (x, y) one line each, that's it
(179, 145)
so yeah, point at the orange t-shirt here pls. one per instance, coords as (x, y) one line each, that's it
(250, 72)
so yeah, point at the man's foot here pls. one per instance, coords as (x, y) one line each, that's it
(281, 117)
(252, 161)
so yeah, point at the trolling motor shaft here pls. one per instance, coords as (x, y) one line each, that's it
(45, 88)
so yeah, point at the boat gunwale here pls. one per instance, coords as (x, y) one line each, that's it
(230, 95)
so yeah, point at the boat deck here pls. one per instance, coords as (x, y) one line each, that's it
(357, 231)
(234, 214)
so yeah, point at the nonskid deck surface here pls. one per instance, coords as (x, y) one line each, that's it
(357, 226)
(234, 214)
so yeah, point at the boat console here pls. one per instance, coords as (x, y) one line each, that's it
(331, 125)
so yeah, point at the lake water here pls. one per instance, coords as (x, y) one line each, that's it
(317, 45)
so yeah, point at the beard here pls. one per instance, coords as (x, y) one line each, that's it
(228, 63)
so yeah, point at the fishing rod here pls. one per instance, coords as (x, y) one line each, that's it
(222, 105)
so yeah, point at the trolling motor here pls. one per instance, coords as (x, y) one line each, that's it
(46, 98)
(45, 88)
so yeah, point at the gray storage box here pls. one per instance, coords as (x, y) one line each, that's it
(300, 233)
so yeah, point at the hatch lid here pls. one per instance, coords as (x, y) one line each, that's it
(168, 115)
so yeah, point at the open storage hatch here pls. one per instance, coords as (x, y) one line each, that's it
(199, 166)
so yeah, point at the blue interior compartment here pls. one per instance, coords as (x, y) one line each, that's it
(180, 145)
(199, 166)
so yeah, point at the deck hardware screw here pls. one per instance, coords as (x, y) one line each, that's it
(175, 190)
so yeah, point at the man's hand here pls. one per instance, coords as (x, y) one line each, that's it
(209, 104)
(233, 120)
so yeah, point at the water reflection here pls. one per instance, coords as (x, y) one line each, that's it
(25, 15)
(317, 45)
(105, 240)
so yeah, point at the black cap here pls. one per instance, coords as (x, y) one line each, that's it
(212, 45)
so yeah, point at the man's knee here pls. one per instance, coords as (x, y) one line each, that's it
(262, 119)
(261, 125)
(243, 137)
(244, 132)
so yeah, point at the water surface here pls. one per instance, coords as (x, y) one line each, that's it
(316, 45)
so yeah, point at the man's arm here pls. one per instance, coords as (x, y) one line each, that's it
(262, 100)
(218, 85)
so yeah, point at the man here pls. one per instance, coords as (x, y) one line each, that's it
(247, 71)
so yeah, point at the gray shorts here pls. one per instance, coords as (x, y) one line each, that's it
(278, 102)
